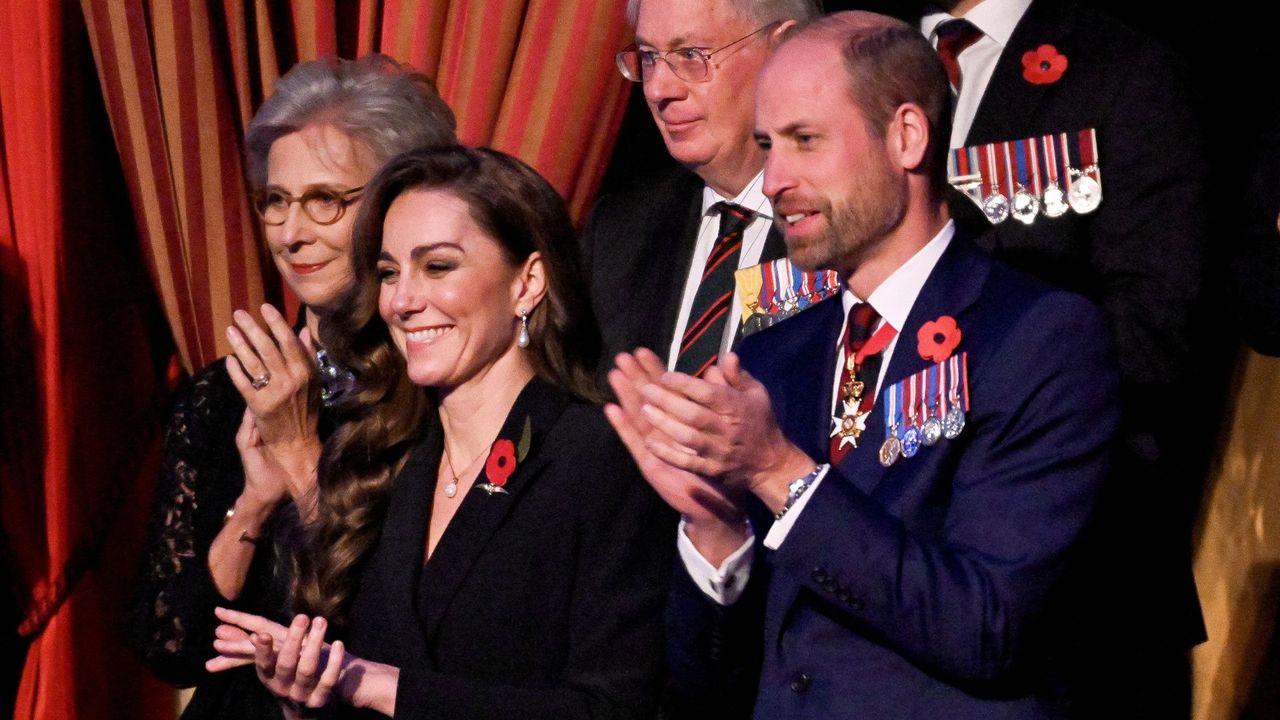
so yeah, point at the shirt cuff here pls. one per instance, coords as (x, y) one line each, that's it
(724, 584)
(778, 531)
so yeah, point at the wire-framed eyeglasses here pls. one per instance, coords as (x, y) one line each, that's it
(322, 205)
(690, 64)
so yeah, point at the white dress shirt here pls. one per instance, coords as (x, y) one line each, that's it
(753, 239)
(893, 300)
(996, 19)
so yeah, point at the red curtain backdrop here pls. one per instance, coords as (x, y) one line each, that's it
(78, 384)
(532, 77)
(125, 223)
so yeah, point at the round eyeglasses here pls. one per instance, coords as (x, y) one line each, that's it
(323, 206)
(690, 64)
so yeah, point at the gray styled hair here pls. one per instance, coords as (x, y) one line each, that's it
(761, 11)
(383, 105)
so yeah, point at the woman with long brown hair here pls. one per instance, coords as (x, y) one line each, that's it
(244, 436)
(485, 547)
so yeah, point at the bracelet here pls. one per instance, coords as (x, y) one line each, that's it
(244, 535)
(796, 490)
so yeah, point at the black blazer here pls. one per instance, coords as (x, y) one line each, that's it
(1140, 256)
(636, 250)
(543, 602)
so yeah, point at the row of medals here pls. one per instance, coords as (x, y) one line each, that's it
(935, 426)
(826, 283)
(1083, 194)
(764, 316)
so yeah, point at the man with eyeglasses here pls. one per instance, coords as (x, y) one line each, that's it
(661, 255)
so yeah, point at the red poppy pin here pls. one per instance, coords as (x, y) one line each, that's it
(504, 457)
(938, 339)
(1044, 65)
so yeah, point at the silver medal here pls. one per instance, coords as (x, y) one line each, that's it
(953, 423)
(1085, 193)
(931, 431)
(1055, 201)
(1025, 206)
(996, 208)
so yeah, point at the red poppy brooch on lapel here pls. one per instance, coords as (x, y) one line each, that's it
(937, 339)
(504, 457)
(1044, 65)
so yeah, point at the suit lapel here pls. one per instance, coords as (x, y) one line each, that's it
(952, 287)
(819, 384)
(672, 242)
(1009, 102)
(481, 514)
(398, 561)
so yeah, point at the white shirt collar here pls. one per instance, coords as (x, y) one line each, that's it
(752, 198)
(895, 296)
(995, 18)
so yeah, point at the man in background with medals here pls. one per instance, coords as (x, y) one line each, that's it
(917, 458)
(1077, 145)
(661, 255)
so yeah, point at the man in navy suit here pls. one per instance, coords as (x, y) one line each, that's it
(891, 567)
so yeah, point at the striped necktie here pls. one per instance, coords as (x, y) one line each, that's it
(700, 344)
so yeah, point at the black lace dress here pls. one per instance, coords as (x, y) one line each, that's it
(173, 623)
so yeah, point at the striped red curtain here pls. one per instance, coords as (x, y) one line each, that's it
(534, 78)
(80, 391)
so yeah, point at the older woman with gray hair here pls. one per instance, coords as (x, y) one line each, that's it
(244, 438)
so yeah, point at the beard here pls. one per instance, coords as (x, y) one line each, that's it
(857, 223)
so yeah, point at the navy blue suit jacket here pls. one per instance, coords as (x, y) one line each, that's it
(937, 587)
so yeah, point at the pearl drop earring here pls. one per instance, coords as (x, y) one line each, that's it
(522, 340)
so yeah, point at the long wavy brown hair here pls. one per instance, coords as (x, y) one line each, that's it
(524, 214)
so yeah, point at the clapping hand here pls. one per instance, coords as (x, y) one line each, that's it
(294, 663)
(695, 497)
(276, 374)
(265, 482)
(704, 443)
(721, 426)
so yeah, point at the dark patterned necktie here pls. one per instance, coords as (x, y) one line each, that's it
(953, 37)
(700, 344)
(862, 320)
